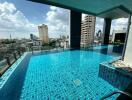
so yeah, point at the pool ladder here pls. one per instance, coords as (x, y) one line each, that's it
(116, 92)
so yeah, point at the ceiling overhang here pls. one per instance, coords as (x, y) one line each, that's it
(114, 13)
(102, 8)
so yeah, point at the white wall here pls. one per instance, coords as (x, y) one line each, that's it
(128, 52)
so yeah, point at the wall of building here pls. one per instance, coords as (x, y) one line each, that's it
(128, 52)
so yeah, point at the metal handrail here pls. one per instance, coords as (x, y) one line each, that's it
(116, 92)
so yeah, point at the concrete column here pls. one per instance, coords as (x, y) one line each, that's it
(128, 45)
(75, 29)
(106, 30)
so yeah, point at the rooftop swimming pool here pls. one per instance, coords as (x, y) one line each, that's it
(67, 75)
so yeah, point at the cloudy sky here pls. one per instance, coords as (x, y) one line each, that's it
(21, 17)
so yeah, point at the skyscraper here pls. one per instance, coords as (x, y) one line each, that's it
(43, 33)
(87, 30)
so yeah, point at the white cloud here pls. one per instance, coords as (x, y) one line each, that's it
(13, 21)
(7, 7)
(119, 23)
(57, 20)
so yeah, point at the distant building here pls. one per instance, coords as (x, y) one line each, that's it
(33, 37)
(43, 33)
(98, 38)
(87, 30)
(64, 41)
(35, 40)
(118, 36)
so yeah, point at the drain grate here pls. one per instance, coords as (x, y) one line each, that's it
(77, 82)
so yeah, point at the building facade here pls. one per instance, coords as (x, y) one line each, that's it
(87, 30)
(43, 33)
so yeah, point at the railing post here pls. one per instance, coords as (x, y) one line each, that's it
(19, 53)
(32, 49)
(8, 60)
(14, 54)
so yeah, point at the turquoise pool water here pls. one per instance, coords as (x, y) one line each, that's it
(69, 75)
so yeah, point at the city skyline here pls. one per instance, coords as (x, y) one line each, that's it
(17, 19)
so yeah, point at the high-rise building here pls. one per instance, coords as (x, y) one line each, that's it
(87, 30)
(43, 33)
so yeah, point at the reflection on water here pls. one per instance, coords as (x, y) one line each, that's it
(108, 49)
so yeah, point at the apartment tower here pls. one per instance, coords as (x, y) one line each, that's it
(43, 33)
(87, 30)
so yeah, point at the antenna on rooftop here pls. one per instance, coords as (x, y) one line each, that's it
(10, 37)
